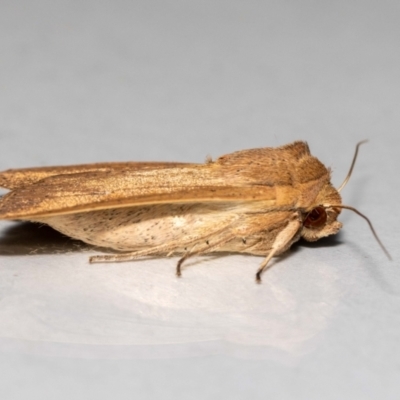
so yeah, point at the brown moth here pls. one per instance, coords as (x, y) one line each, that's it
(257, 201)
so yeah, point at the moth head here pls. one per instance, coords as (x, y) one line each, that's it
(321, 220)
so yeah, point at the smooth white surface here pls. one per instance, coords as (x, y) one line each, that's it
(88, 81)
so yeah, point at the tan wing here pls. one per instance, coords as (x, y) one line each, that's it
(98, 190)
(242, 176)
(14, 178)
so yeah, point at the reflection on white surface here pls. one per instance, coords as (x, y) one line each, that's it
(60, 304)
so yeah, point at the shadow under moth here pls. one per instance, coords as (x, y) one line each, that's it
(257, 201)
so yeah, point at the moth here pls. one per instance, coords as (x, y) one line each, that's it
(257, 201)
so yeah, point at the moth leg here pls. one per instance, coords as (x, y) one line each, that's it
(188, 254)
(169, 249)
(282, 242)
(164, 248)
(202, 250)
(134, 255)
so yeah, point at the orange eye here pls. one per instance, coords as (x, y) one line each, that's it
(316, 218)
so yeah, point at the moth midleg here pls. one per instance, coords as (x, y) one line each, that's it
(168, 248)
(130, 256)
(282, 241)
(202, 250)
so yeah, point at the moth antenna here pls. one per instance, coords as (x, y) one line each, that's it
(352, 166)
(369, 223)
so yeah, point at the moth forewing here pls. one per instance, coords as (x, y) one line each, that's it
(14, 178)
(257, 201)
(72, 193)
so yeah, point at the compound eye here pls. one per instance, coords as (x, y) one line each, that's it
(316, 218)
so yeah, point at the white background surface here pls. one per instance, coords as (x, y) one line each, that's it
(86, 81)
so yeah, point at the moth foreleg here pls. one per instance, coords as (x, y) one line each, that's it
(282, 241)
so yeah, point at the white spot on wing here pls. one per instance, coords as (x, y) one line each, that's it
(179, 221)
